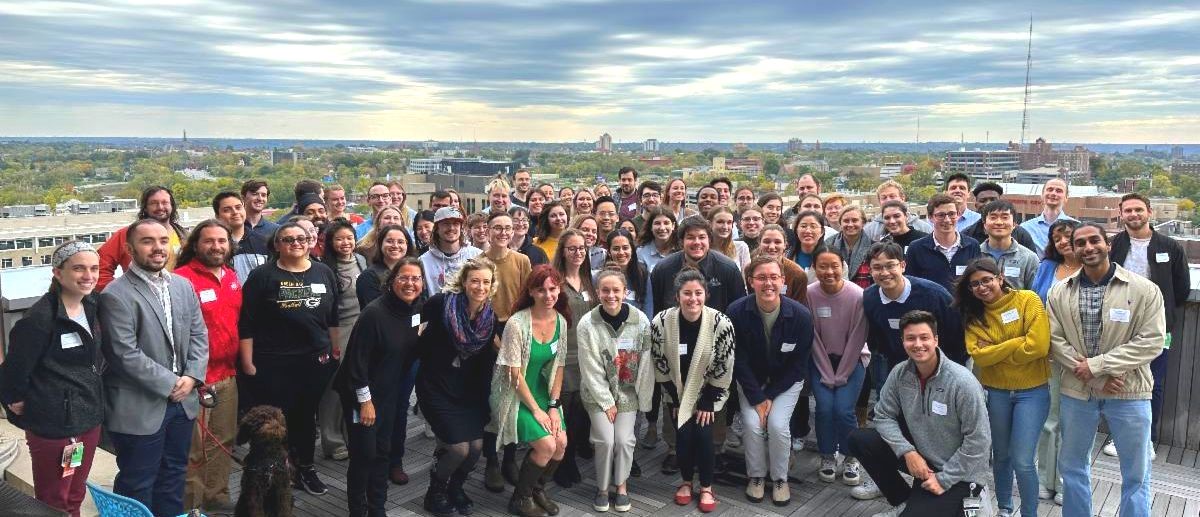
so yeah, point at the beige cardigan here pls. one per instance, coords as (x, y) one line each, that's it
(600, 384)
(712, 360)
(1126, 347)
(514, 351)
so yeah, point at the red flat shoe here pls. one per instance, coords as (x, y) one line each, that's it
(707, 507)
(682, 499)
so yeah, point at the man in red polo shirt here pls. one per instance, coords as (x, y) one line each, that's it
(204, 261)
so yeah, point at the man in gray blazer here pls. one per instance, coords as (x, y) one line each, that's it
(157, 354)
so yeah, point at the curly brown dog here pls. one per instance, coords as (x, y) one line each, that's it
(266, 477)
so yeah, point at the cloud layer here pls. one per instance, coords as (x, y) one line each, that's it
(554, 70)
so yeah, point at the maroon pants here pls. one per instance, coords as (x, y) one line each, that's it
(49, 485)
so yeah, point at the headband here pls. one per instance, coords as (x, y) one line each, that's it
(68, 250)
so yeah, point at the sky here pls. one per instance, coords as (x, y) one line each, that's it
(569, 70)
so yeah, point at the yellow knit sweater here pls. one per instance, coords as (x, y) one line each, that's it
(1010, 347)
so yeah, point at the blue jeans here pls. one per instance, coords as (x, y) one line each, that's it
(1016, 418)
(152, 468)
(1129, 423)
(400, 424)
(835, 409)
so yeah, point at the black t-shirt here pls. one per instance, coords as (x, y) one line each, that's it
(288, 313)
(906, 239)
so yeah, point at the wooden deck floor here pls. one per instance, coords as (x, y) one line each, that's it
(1176, 488)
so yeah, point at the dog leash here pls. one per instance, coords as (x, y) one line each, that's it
(208, 434)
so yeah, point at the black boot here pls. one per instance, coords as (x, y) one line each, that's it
(567, 474)
(508, 466)
(492, 478)
(456, 495)
(522, 502)
(435, 498)
(539, 490)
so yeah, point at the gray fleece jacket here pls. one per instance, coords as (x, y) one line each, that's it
(948, 420)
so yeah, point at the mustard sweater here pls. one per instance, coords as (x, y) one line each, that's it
(1010, 347)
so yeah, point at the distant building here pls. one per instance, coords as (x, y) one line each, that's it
(1192, 168)
(1041, 175)
(429, 145)
(890, 170)
(862, 171)
(740, 148)
(290, 156)
(650, 145)
(982, 165)
(478, 167)
(795, 145)
(751, 166)
(425, 166)
(820, 166)
(1176, 152)
(604, 145)
(657, 161)
(1041, 154)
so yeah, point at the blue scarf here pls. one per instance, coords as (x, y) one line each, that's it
(469, 336)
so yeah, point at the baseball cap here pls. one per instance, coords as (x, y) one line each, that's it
(447, 212)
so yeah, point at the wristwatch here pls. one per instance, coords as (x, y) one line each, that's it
(554, 404)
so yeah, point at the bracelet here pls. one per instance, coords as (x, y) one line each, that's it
(555, 404)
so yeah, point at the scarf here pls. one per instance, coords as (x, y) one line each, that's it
(469, 336)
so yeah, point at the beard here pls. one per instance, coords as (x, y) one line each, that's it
(213, 260)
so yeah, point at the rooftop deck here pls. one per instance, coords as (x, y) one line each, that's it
(1176, 488)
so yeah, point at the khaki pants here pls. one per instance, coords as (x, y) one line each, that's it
(1049, 475)
(208, 465)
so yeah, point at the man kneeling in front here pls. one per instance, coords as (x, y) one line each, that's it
(932, 423)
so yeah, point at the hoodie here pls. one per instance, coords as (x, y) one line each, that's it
(440, 267)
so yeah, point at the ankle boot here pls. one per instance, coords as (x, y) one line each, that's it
(861, 414)
(539, 490)
(456, 495)
(522, 503)
(435, 498)
(493, 481)
(508, 466)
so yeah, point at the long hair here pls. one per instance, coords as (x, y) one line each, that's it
(150, 191)
(330, 257)
(721, 244)
(543, 222)
(634, 271)
(455, 283)
(375, 254)
(585, 268)
(368, 240)
(646, 232)
(1051, 252)
(189, 248)
(537, 278)
(972, 308)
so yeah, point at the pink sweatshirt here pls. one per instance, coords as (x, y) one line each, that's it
(839, 328)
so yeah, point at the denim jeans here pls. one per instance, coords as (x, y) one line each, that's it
(835, 409)
(1129, 423)
(1016, 419)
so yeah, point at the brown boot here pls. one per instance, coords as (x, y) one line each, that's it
(539, 489)
(522, 502)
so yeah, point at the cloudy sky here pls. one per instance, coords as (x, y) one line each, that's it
(568, 70)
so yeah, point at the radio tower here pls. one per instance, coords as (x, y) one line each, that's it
(1028, 67)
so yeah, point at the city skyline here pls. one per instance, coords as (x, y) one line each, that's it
(534, 70)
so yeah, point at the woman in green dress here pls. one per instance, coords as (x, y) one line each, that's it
(527, 384)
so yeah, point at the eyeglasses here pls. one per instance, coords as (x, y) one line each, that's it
(767, 278)
(378, 196)
(502, 229)
(879, 268)
(974, 284)
(651, 194)
(293, 240)
(408, 279)
(576, 249)
(945, 215)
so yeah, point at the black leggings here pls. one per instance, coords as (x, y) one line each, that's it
(694, 446)
(294, 384)
(367, 471)
(457, 457)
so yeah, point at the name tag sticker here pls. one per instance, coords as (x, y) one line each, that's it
(1010, 316)
(585, 296)
(1012, 271)
(416, 320)
(783, 290)
(318, 288)
(894, 323)
(683, 349)
(632, 206)
(959, 270)
(208, 295)
(625, 344)
(554, 347)
(824, 312)
(787, 347)
(1162, 257)
(1121, 315)
(940, 408)
(629, 295)
(70, 340)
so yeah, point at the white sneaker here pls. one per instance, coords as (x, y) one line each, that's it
(1058, 498)
(867, 490)
(1004, 512)
(851, 472)
(1109, 448)
(797, 444)
(1153, 453)
(893, 512)
(1045, 494)
(429, 431)
(828, 470)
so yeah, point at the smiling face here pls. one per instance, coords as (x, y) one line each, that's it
(583, 202)
(890, 194)
(695, 243)
(723, 193)
(706, 199)
(479, 233)
(232, 212)
(945, 218)
(960, 190)
(751, 223)
(895, 221)
(662, 227)
(650, 198)
(576, 250)
(1062, 242)
(832, 210)
(397, 194)
(343, 242)
(588, 228)
(744, 198)
(424, 230)
(829, 270)
(449, 230)
(522, 181)
(565, 195)
(606, 217)
(772, 210)
(767, 282)
(395, 246)
(1090, 246)
(498, 199)
(558, 220)
(409, 283)
(677, 189)
(389, 217)
(611, 290)
(336, 200)
(256, 200)
(292, 243)
(478, 285)
(887, 272)
(772, 244)
(158, 206)
(999, 224)
(620, 250)
(1135, 214)
(809, 231)
(920, 343)
(148, 246)
(316, 213)
(77, 275)
(545, 295)
(547, 192)
(520, 225)
(500, 231)
(378, 197)
(1054, 194)
(537, 200)
(691, 297)
(985, 286)
(851, 222)
(722, 225)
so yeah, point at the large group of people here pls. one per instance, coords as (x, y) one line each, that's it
(573, 322)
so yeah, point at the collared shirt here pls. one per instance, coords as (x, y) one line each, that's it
(649, 254)
(952, 249)
(162, 290)
(220, 304)
(1039, 230)
(968, 218)
(899, 299)
(1091, 299)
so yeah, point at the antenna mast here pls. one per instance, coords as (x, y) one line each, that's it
(1028, 67)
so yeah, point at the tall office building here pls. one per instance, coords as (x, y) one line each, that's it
(605, 143)
(650, 145)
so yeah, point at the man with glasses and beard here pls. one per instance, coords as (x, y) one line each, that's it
(204, 262)
(158, 204)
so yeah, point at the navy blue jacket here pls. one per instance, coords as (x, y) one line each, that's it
(924, 260)
(884, 338)
(764, 370)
